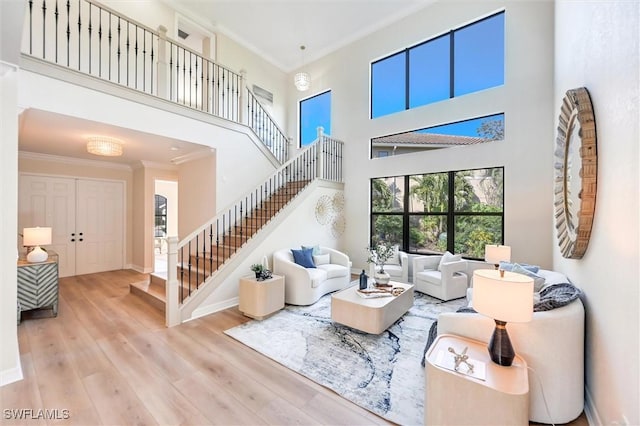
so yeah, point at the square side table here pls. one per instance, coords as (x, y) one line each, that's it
(259, 299)
(455, 398)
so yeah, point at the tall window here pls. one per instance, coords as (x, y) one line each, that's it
(161, 216)
(465, 60)
(458, 211)
(314, 112)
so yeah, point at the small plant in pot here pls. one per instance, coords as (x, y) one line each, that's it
(257, 268)
(261, 272)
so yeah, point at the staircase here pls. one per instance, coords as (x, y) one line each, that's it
(203, 264)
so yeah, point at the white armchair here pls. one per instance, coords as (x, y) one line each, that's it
(398, 269)
(444, 281)
(304, 286)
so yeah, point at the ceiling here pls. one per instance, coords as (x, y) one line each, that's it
(275, 29)
(48, 133)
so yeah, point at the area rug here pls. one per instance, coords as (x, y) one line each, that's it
(381, 373)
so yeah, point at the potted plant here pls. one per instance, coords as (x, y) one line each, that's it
(258, 269)
(379, 254)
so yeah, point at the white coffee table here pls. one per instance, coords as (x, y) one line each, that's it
(373, 315)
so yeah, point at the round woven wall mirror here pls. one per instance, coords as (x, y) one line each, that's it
(576, 169)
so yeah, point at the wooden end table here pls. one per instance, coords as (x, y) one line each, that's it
(455, 398)
(259, 299)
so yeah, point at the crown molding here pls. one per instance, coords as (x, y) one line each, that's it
(27, 155)
(153, 165)
(192, 156)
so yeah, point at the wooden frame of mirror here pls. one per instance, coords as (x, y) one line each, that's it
(576, 169)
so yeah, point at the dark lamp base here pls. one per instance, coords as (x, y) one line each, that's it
(500, 348)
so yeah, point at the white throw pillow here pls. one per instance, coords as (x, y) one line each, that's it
(448, 257)
(322, 259)
(395, 257)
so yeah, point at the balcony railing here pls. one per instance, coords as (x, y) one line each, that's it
(95, 40)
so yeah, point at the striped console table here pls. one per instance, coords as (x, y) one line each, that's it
(38, 285)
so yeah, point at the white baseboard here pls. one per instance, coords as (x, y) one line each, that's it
(12, 374)
(141, 269)
(213, 308)
(590, 411)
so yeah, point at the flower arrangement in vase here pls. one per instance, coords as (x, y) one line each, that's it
(379, 254)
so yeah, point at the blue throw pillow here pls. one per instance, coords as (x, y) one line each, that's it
(538, 281)
(303, 257)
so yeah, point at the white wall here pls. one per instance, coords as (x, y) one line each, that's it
(597, 47)
(526, 99)
(197, 188)
(11, 13)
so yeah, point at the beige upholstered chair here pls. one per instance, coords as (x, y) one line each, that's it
(397, 268)
(444, 280)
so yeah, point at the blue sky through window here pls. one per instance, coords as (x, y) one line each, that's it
(429, 72)
(463, 128)
(479, 56)
(388, 82)
(478, 64)
(315, 112)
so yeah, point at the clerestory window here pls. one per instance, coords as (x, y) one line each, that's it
(465, 60)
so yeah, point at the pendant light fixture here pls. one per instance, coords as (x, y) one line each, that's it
(302, 80)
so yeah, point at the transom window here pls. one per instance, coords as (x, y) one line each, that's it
(465, 60)
(458, 211)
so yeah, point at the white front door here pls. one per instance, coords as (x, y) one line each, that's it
(99, 226)
(51, 202)
(86, 217)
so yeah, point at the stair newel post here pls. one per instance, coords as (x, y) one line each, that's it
(172, 312)
(319, 159)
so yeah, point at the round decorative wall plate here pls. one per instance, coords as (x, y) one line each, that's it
(324, 211)
(576, 170)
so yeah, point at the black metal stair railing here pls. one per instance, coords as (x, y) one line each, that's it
(266, 128)
(95, 40)
(207, 249)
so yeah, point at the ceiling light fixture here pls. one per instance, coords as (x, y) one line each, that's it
(302, 80)
(105, 146)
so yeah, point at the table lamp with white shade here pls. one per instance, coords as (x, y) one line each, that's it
(494, 253)
(36, 237)
(505, 297)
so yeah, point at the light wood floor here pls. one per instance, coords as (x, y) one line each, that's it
(108, 359)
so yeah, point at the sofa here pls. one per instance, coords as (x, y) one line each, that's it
(552, 344)
(331, 271)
